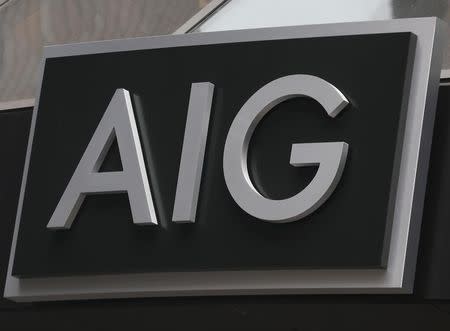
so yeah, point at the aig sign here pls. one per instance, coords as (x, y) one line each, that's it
(119, 122)
(288, 160)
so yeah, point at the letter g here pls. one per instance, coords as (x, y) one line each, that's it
(329, 156)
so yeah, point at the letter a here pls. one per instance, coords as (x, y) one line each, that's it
(118, 121)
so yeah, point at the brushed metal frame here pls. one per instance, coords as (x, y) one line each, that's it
(398, 277)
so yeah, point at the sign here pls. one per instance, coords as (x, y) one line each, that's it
(287, 160)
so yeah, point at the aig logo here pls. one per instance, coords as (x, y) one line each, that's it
(119, 122)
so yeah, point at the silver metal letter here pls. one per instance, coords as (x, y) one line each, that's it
(194, 143)
(330, 156)
(118, 121)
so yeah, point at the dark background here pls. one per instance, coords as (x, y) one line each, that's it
(347, 232)
(427, 309)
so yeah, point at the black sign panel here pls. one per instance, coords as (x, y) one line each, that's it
(348, 231)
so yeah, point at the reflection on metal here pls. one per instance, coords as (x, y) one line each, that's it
(28, 25)
(330, 157)
(192, 155)
(117, 122)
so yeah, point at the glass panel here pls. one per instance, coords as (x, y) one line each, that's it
(27, 25)
(245, 14)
